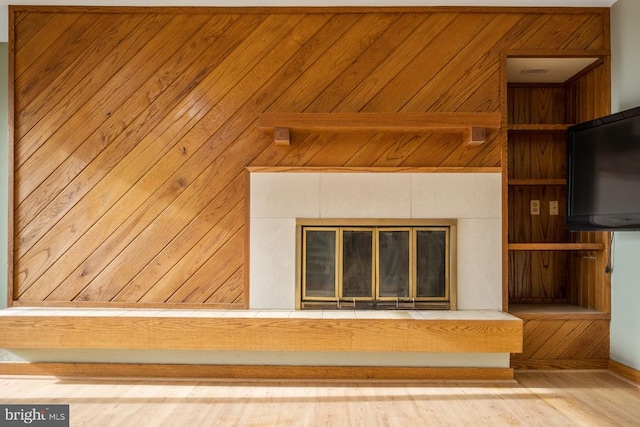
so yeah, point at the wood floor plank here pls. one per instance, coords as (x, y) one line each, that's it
(551, 398)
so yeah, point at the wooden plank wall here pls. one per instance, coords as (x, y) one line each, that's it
(133, 127)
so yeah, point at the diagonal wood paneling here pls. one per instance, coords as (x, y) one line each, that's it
(564, 343)
(133, 128)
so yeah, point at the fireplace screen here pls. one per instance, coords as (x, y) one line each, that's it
(377, 265)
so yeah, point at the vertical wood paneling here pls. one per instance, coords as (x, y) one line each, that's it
(133, 128)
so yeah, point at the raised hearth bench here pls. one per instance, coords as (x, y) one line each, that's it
(393, 331)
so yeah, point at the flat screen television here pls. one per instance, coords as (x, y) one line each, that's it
(603, 186)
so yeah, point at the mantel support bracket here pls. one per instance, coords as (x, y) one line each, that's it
(281, 136)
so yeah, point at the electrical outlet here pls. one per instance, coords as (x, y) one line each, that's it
(553, 207)
(535, 207)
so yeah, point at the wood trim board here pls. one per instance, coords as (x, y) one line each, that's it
(311, 9)
(253, 372)
(354, 169)
(544, 364)
(625, 371)
(11, 164)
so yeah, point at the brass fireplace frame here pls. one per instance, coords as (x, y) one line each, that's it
(446, 302)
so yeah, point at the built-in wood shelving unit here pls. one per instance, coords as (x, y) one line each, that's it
(557, 279)
(472, 125)
(542, 266)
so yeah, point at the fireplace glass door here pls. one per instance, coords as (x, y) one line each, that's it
(375, 267)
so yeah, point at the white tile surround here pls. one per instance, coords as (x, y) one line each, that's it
(278, 198)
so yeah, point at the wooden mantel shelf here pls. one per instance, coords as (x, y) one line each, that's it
(472, 125)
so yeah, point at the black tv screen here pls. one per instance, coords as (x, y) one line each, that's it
(603, 187)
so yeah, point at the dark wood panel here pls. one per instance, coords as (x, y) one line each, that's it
(133, 127)
(536, 105)
(525, 227)
(537, 155)
(591, 99)
(538, 277)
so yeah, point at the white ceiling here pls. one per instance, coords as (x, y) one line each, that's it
(545, 70)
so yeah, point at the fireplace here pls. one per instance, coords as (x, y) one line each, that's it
(282, 203)
(375, 264)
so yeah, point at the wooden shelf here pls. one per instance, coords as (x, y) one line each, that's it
(556, 127)
(545, 181)
(556, 246)
(472, 125)
(555, 312)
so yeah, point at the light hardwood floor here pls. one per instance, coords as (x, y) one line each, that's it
(553, 398)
